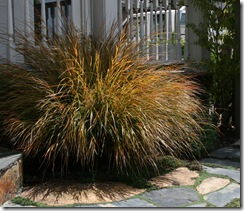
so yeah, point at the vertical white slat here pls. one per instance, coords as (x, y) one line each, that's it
(166, 23)
(127, 9)
(174, 30)
(27, 19)
(170, 46)
(11, 45)
(131, 20)
(152, 49)
(147, 19)
(161, 31)
(86, 17)
(137, 27)
(43, 21)
(10, 20)
(147, 28)
(77, 14)
(120, 17)
(137, 4)
(142, 28)
(146, 4)
(155, 4)
(58, 19)
(178, 36)
(142, 34)
(48, 15)
(28, 34)
(170, 20)
(137, 7)
(151, 20)
(72, 12)
(186, 47)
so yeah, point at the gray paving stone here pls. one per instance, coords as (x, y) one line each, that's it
(198, 205)
(10, 204)
(133, 203)
(88, 205)
(173, 197)
(106, 205)
(234, 174)
(224, 196)
(221, 162)
(226, 152)
(8, 158)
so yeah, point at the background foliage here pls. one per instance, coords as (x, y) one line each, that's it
(222, 40)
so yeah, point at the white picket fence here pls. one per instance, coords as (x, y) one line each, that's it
(157, 25)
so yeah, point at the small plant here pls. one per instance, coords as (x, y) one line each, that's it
(80, 99)
(234, 203)
(210, 140)
(27, 202)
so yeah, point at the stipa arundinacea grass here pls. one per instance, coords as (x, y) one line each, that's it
(91, 101)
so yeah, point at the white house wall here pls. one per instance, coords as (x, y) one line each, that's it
(195, 52)
(86, 15)
(19, 24)
(76, 13)
(104, 14)
(3, 29)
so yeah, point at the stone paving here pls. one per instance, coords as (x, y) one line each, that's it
(217, 190)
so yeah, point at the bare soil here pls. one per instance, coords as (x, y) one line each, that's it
(68, 192)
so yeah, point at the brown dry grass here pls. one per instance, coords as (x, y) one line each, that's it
(60, 193)
(96, 102)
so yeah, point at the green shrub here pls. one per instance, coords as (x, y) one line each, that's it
(96, 102)
(219, 34)
(210, 140)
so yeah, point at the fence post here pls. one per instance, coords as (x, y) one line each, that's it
(152, 47)
(161, 32)
(43, 21)
(86, 14)
(186, 47)
(137, 7)
(195, 52)
(58, 19)
(178, 52)
(11, 45)
(170, 52)
(120, 15)
(76, 13)
(27, 19)
(105, 13)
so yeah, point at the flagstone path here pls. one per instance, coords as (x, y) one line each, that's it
(218, 189)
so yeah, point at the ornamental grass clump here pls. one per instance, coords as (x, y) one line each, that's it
(93, 101)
